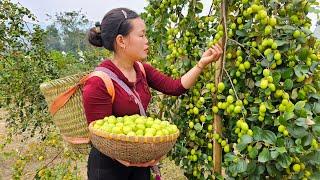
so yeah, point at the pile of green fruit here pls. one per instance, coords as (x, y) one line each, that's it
(135, 125)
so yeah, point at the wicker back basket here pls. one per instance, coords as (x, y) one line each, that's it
(133, 149)
(69, 119)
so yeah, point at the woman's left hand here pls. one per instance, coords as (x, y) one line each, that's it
(211, 55)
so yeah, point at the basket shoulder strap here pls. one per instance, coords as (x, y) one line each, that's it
(106, 80)
(64, 97)
(123, 85)
(142, 68)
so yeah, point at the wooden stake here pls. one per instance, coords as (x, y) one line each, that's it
(217, 150)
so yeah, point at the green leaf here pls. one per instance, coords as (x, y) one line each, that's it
(316, 126)
(244, 140)
(281, 150)
(303, 54)
(198, 127)
(313, 158)
(294, 94)
(287, 73)
(301, 113)
(272, 170)
(241, 33)
(257, 133)
(301, 70)
(288, 115)
(316, 108)
(251, 167)
(301, 122)
(288, 84)
(253, 153)
(276, 77)
(269, 137)
(264, 155)
(199, 7)
(306, 141)
(209, 117)
(284, 160)
(241, 166)
(296, 131)
(299, 105)
(274, 154)
(281, 42)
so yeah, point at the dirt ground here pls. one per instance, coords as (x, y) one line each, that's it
(169, 170)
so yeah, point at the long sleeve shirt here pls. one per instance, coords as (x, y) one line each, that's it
(98, 104)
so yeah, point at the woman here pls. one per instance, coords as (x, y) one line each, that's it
(124, 32)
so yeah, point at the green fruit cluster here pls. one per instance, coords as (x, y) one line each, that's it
(135, 125)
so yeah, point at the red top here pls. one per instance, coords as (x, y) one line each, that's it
(97, 102)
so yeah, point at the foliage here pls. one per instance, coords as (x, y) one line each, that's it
(68, 32)
(269, 95)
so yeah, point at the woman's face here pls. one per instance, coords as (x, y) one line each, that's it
(136, 43)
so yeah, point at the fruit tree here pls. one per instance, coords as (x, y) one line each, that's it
(259, 104)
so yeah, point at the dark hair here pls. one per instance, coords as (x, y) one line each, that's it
(115, 22)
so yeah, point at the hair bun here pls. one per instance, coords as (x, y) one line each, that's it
(94, 36)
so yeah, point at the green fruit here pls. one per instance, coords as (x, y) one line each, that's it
(233, 26)
(191, 124)
(195, 110)
(274, 45)
(281, 128)
(221, 86)
(282, 108)
(245, 1)
(272, 21)
(216, 136)
(226, 148)
(246, 65)
(267, 52)
(223, 143)
(244, 126)
(270, 79)
(237, 109)
(296, 167)
(272, 87)
(296, 34)
(266, 72)
(285, 133)
(238, 123)
(262, 108)
(264, 84)
(230, 99)
(202, 118)
(215, 109)
(239, 20)
(268, 30)
(277, 56)
(242, 68)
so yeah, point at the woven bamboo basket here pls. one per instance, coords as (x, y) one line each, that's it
(70, 119)
(134, 149)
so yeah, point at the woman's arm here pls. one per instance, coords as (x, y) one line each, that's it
(176, 87)
(209, 56)
(97, 102)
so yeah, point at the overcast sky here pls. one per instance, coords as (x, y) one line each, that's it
(94, 9)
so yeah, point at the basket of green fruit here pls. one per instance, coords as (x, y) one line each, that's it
(134, 139)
